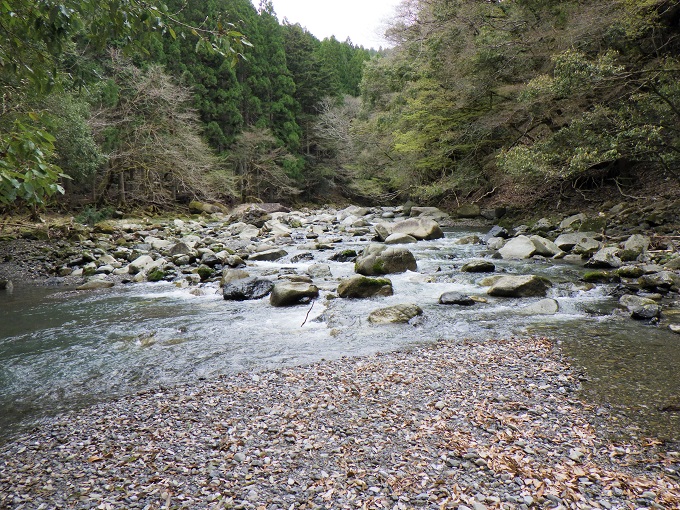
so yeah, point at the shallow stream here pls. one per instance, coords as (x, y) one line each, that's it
(61, 349)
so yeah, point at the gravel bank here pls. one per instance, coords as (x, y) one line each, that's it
(451, 425)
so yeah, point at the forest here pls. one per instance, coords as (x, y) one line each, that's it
(130, 104)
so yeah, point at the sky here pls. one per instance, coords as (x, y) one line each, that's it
(363, 21)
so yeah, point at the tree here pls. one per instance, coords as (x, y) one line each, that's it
(40, 53)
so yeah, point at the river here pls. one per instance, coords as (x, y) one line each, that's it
(62, 350)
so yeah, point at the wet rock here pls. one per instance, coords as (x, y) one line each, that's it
(398, 238)
(545, 247)
(401, 313)
(230, 275)
(630, 272)
(495, 243)
(277, 228)
(344, 256)
(543, 307)
(587, 246)
(637, 244)
(640, 307)
(352, 210)
(383, 231)
(601, 277)
(456, 298)
(478, 266)
(321, 271)
(675, 328)
(520, 247)
(242, 289)
(359, 286)
(419, 228)
(292, 293)
(377, 259)
(520, 286)
(233, 261)
(605, 258)
(268, 255)
(140, 264)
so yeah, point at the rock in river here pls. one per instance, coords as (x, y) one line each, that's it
(359, 286)
(420, 228)
(456, 298)
(520, 286)
(292, 293)
(395, 314)
(521, 247)
(377, 259)
(640, 307)
(478, 266)
(247, 288)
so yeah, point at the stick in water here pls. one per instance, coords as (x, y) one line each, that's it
(307, 316)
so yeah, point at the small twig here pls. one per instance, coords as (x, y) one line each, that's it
(308, 312)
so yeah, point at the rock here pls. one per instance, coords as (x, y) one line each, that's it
(251, 214)
(566, 242)
(196, 207)
(344, 256)
(673, 264)
(473, 239)
(359, 286)
(430, 212)
(601, 277)
(268, 255)
(321, 271)
(233, 261)
(675, 328)
(377, 259)
(456, 298)
(398, 238)
(543, 307)
(230, 275)
(292, 293)
(478, 266)
(493, 213)
(94, 284)
(495, 243)
(420, 228)
(352, 210)
(277, 228)
(545, 247)
(605, 258)
(637, 243)
(495, 231)
(6, 285)
(662, 281)
(468, 211)
(520, 286)
(395, 314)
(587, 247)
(572, 221)
(630, 272)
(243, 289)
(140, 264)
(640, 307)
(383, 230)
(520, 247)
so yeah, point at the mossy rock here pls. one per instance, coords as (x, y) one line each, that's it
(156, 275)
(628, 255)
(204, 272)
(601, 277)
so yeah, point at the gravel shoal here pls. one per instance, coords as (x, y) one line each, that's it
(454, 424)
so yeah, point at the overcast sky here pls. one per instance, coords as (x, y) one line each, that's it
(363, 21)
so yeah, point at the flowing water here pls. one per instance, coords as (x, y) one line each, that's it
(62, 350)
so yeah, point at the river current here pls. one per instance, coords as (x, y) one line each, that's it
(62, 350)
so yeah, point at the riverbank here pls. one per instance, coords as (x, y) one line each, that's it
(452, 425)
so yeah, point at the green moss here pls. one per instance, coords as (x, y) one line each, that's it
(156, 275)
(378, 266)
(204, 272)
(600, 277)
(628, 255)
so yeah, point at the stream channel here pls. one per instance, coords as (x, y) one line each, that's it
(62, 350)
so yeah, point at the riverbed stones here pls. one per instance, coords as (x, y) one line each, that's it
(572, 222)
(243, 289)
(468, 211)
(397, 314)
(456, 298)
(377, 259)
(520, 286)
(567, 241)
(292, 293)
(478, 266)
(543, 307)
(640, 307)
(320, 271)
(429, 212)
(420, 228)
(359, 286)
(662, 281)
(607, 257)
(637, 244)
(517, 248)
(140, 264)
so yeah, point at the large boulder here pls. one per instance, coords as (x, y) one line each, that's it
(543, 307)
(378, 259)
(520, 247)
(420, 228)
(140, 264)
(395, 314)
(640, 308)
(662, 281)
(359, 286)
(244, 289)
(637, 244)
(566, 242)
(292, 293)
(196, 207)
(430, 212)
(545, 247)
(520, 286)
(397, 238)
(251, 214)
(468, 211)
(383, 230)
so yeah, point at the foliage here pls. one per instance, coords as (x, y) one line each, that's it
(91, 215)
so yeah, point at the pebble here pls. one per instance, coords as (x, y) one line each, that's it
(275, 440)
